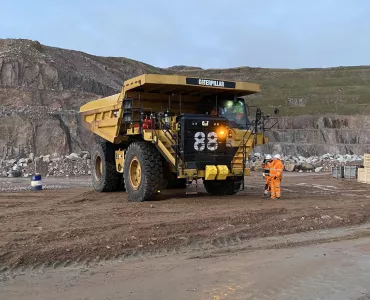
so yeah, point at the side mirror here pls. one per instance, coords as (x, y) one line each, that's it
(276, 111)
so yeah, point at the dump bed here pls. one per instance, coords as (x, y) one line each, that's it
(154, 93)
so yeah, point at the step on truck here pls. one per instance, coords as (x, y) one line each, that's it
(167, 131)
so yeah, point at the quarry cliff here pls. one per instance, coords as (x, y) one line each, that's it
(42, 88)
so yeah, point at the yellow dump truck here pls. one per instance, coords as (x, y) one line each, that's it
(165, 131)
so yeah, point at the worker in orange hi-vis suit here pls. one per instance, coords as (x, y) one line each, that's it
(266, 174)
(276, 173)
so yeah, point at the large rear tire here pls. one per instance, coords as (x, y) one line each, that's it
(230, 186)
(105, 178)
(143, 171)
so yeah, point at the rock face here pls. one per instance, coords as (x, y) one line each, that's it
(42, 88)
(317, 135)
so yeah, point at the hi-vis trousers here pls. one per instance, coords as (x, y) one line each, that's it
(275, 187)
(268, 185)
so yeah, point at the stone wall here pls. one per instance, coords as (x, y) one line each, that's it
(317, 135)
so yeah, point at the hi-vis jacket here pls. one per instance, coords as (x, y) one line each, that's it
(276, 169)
(266, 166)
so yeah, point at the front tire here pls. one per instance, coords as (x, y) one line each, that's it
(143, 171)
(105, 178)
(230, 186)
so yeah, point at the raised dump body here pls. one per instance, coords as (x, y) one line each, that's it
(164, 131)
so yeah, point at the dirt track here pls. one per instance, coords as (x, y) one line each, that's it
(304, 273)
(57, 227)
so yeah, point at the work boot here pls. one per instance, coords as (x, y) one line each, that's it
(265, 196)
(277, 198)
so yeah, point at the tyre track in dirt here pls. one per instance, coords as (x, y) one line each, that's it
(64, 227)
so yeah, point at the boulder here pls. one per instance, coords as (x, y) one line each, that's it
(46, 158)
(306, 166)
(327, 156)
(289, 166)
(31, 157)
(340, 158)
(73, 156)
(85, 154)
(301, 158)
(296, 159)
(11, 162)
(319, 169)
(257, 165)
(16, 171)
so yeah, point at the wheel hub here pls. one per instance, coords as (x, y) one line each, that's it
(135, 173)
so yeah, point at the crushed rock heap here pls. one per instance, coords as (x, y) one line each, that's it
(47, 165)
(78, 164)
(322, 163)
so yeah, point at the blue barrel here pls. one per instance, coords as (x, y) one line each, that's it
(36, 184)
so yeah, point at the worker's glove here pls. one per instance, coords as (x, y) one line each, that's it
(263, 174)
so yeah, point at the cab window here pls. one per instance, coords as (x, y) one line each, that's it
(233, 110)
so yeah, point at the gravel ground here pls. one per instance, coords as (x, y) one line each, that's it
(49, 183)
(72, 223)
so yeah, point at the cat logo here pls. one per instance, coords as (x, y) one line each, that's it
(204, 123)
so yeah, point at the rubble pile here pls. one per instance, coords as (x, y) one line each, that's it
(322, 163)
(47, 165)
(77, 164)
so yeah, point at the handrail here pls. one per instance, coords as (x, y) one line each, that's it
(172, 138)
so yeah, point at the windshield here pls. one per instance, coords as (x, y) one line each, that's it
(235, 111)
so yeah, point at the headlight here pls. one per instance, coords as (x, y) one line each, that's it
(221, 132)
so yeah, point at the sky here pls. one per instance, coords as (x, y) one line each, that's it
(208, 34)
